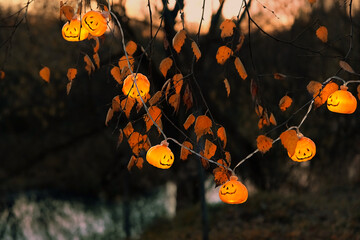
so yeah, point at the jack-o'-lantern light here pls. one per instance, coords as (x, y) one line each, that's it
(129, 88)
(73, 31)
(342, 101)
(95, 23)
(160, 156)
(304, 151)
(233, 191)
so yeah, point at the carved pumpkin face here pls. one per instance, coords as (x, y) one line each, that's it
(304, 151)
(73, 32)
(95, 23)
(160, 156)
(233, 191)
(129, 87)
(342, 101)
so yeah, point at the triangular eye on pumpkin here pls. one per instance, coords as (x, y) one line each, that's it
(95, 23)
(129, 88)
(304, 151)
(73, 32)
(160, 156)
(233, 191)
(342, 101)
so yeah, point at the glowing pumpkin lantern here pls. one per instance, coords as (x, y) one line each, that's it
(95, 23)
(304, 151)
(342, 101)
(233, 191)
(129, 87)
(73, 32)
(160, 156)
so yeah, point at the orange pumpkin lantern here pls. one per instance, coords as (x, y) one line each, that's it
(304, 151)
(95, 23)
(233, 191)
(129, 87)
(342, 101)
(73, 32)
(160, 156)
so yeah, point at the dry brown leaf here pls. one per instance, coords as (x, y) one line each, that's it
(210, 149)
(227, 87)
(179, 40)
(126, 105)
(115, 72)
(313, 88)
(165, 65)
(203, 126)
(109, 116)
(227, 28)
(264, 143)
(188, 98)
(285, 103)
(272, 119)
(223, 54)
(45, 74)
(184, 153)
(96, 60)
(189, 121)
(322, 34)
(131, 162)
(289, 140)
(120, 138)
(67, 11)
(2, 74)
(178, 82)
(155, 98)
(156, 114)
(123, 63)
(279, 76)
(128, 130)
(344, 65)
(115, 103)
(68, 87)
(221, 133)
(241, 42)
(240, 68)
(89, 64)
(174, 101)
(196, 50)
(131, 47)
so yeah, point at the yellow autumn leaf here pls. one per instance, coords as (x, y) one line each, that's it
(202, 126)
(131, 47)
(289, 140)
(189, 121)
(71, 74)
(96, 60)
(115, 72)
(264, 143)
(285, 103)
(184, 153)
(165, 65)
(45, 74)
(240, 68)
(221, 133)
(227, 28)
(322, 34)
(196, 50)
(223, 54)
(89, 64)
(227, 87)
(179, 40)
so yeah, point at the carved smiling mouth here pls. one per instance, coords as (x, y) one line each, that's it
(86, 22)
(165, 164)
(230, 193)
(302, 158)
(333, 105)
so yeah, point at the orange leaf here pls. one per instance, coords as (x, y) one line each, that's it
(223, 54)
(358, 90)
(272, 119)
(344, 65)
(109, 116)
(204, 162)
(259, 110)
(120, 138)
(264, 143)
(178, 82)
(71, 73)
(89, 64)
(155, 113)
(187, 98)
(157, 96)
(185, 152)
(221, 133)
(115, 103)
(322, 34)
(45, 74)
(289, 140)
(97, 43)
(115, 72)
(279, 76)
(285, 103)
(325, 93)
(220, 176)
(210, 149)
(241, 42)
(228, 158)
(97, 60)
(179, 40)
(123, 62)
(126, 105)
(131, 47)
(174, 101)
(138, 142)
(196, 50)
(227, 28)
(313, 88)
(131, 162)
(165, 65)
(227, 86)
(68, 87)
(139, 162)
(240, 68)
(189, 121)
(67, 11)
(203, 126)
(2, 74)
(128, 130)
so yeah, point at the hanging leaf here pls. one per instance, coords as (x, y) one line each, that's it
(188, 98)
(67, 11)
(227, 87)
(123, 63)
(179, 40)
(89, 64)
(279, 76)
(120, 138)
(138, 142)
(96, 60)
(289, 140)
(210, 149)
(109, 116)
(264, 143)
(241, 42)
(285, 103)
(155, 113)
(45, 74)
(259, 110)
(196, 50)
(322, 34)
(227, 28)
(68, 87)
(325, 93)
(204, 162)
(223, 54)
(228, 158)
(126, 105)
(115, 103)
(115, 72)
(189, 121)
(71, 73)
(155, 98)
(240, 68)
(221, 133)
(203, 126)
(314, 87)
(272, 119)
(344, 65)
(139, 163)
(184, 153)
(167, 89)
(165, 65)
(131, 47)
(97, 43)
(128, 130)
(174, 101)
(358, 90)
(2, 74)
(221, 174)
(178, 82)
(131, 162)
(254, 89)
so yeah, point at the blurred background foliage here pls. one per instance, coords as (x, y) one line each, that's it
(55, 148)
